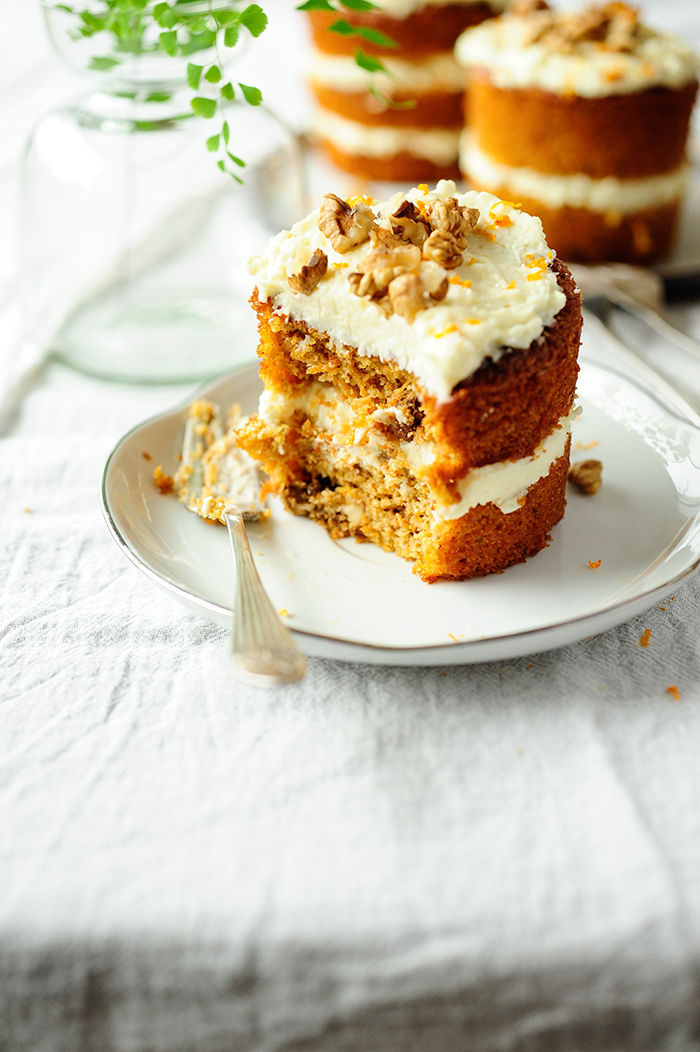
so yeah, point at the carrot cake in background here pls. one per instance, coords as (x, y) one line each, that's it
(582, 117)
(377, 133)
(419, 358)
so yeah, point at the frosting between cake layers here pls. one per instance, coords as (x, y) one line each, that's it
(439, 72)
(573, 191)
(503, 484)
(501, 46)
(437, 144)
(503, 295)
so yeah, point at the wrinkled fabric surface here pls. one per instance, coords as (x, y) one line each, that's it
(496, 858)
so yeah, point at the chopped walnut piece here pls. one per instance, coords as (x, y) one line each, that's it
(345, 227)
(407, 223)
(385, 253)
(443, 248)
(411, 293)
(450, 218)
(375, 283)
(586, 476)
(613, 26)
(309, 276)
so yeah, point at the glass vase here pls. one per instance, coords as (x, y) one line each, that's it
(133, 242)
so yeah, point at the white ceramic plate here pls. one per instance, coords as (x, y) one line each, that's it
(357, 603)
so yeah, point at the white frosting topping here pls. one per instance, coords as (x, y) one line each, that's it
(501, 46)
(439, 144)
(441, 72)
(404, 8)
(572, 191)
(503, 296)
(504, 483)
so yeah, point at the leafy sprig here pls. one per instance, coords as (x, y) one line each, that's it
(370, 63)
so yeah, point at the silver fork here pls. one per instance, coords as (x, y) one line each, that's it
(218, 481)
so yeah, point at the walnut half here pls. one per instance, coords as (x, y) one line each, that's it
(586, 476)
(345, 227)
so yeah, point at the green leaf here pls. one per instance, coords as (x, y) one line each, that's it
(236, 160)
(168, 18)
(204, 107)
(315, 5)
(254, 19)
(342, 27)
(407, 104)
(231, 35)
(228, 92)
(102, 64)
(225, 131)
(168, 43)
(253, 96)
(375, 37)
(213, 143)
(158, 96)
(369, 62)
(359, 5)
(213, 75)
(226, 18)
(221, 165)
(194, 75)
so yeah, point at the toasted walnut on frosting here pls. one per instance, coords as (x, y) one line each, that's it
(344, 226)
(309, 276)
(405, 220)
(613, 26)
(411, 293)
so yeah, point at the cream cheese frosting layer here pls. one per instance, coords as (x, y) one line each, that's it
(572, 191)
(502, 47)
(366, 140)
(441, 72)
(503, 295)
(504, 484)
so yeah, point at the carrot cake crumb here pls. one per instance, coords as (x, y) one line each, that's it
(164, 482)
(646, 636)
(674, 692)
(147, 456)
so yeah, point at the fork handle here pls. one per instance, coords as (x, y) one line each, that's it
(263, 649)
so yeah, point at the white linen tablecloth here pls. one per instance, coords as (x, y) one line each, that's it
(493, 858)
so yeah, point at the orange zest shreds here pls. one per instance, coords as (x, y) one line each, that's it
(535, 277)
(645, 637)
(164, 482)
(474, 321)
(28, 511)
(446, 332)
(339, 266)
(421, 208)
(674, 692)
(511, 286)
(147, 456)
(594, 566)
(366, 200)
(503, 221)
(464, 282)
(662, 608)
(586, 445)
(486, 233)
(424, 188)
(283, 612)
(539, 263)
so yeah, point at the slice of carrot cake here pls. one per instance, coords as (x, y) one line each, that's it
(419, 358)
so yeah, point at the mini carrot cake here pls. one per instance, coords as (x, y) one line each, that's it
(419, 359)
(402, 125)
(583, 118)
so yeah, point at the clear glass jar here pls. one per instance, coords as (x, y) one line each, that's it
(133, 242)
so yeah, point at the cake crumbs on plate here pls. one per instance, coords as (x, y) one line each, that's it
(146, 456)
(674, 692)
(645, 637)
(164, 483)
(592, 565)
